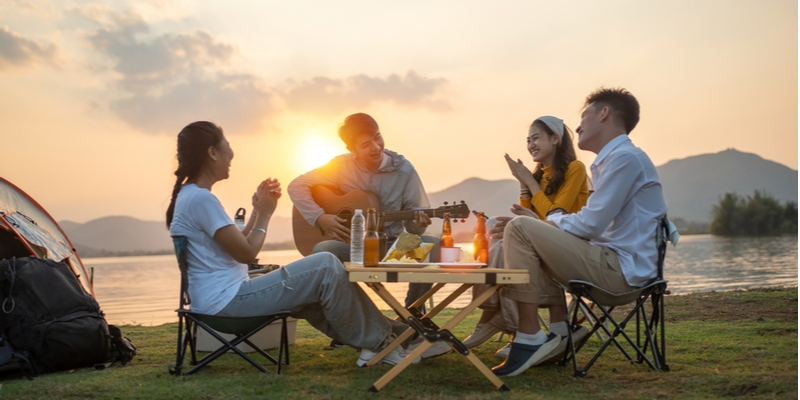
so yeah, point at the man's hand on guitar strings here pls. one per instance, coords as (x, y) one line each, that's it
(334, 227)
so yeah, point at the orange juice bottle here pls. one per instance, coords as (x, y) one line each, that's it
(447, 232)
(481, 244)
(371, 241)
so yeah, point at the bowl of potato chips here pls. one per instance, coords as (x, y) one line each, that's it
(408, 248)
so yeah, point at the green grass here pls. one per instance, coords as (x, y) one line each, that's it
(725, 344)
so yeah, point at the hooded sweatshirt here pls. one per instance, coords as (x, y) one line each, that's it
(395, 182)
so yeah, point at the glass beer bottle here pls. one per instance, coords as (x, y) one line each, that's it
(371, 240)
(383, 240)
(480, 243)
(447, 232)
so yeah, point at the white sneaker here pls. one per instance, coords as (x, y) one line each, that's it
(503, 352)
(482, 333)
(393, 358)
(438, 349)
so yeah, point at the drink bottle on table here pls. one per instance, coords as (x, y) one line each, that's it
(371, 240)
(357, 238)
(481, 243)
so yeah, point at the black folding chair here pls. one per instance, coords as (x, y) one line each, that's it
(649, 321)
(241, 327)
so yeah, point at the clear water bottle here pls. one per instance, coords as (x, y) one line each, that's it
(357, 238)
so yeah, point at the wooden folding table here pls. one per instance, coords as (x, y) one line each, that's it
(423, 324)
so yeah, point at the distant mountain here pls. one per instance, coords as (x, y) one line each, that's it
(126, 235)
(491, 197)
(694, 185)
(118, 234)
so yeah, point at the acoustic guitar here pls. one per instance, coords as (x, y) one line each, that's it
(343, 205)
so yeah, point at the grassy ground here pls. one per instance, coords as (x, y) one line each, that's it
(727, 344)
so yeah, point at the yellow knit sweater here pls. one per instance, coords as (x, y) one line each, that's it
(571, 196)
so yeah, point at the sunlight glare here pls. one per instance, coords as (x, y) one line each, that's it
(315, 150)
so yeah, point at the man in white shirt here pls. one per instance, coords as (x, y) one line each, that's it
(610, 241)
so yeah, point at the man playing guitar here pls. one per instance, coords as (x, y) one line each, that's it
(367, 167)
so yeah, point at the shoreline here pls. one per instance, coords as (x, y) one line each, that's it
(289, 245)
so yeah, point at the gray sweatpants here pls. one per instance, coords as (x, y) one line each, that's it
(415, 290)
(315, 289)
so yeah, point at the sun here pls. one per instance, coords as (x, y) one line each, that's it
(314, 150)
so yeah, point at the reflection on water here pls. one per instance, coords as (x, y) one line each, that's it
(144, 290)
(705, 262)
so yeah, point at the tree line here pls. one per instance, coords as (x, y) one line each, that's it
(756, 215)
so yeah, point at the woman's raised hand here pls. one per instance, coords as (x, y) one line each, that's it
(519, 170)
(523, 174)
(265, 200)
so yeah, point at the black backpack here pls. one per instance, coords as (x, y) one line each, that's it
(48, 322)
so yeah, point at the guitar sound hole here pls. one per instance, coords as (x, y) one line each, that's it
(347, 214)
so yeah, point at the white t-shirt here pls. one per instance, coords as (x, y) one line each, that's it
(214, 276)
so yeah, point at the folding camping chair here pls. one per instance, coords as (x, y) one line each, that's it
(649, 321)
(241, 327)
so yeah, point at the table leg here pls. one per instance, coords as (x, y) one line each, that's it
(384, 294)
(449, 299)
(471, 358)
(424, 346)
(427, 295)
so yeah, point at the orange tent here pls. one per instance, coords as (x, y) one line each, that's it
(26, 229)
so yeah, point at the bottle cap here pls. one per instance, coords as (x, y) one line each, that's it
(239, 217)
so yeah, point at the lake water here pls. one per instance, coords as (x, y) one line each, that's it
(144, 290)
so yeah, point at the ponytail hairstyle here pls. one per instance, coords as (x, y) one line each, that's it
(565, 154)
(193, 143)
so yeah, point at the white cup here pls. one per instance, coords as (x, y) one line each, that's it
(450, 254)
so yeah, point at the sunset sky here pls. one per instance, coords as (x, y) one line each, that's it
(94, 93)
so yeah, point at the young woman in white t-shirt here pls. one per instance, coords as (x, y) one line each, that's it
(315, 288)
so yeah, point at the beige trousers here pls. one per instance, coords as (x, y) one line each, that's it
(549, 253)
(506, 313)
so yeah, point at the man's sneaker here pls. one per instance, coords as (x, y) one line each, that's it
(336, 344)
(438, 349)
(482, 333)
(579, 334)
(523, 356)
(503, 352)
(393, 358)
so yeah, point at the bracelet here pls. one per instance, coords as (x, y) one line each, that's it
(262, 230)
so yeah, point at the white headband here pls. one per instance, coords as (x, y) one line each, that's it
(555, 124)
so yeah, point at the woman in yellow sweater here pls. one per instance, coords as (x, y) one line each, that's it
(558, 184)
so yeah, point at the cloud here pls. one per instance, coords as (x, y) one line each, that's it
(166, 80)
(16, 50)
(235, 102)
(327, 95)
(171, 79)
(145, 64)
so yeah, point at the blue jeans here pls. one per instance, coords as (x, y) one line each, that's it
(316, 289)
(415, 290)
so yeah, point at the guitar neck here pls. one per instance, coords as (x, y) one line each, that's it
(406, 215)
